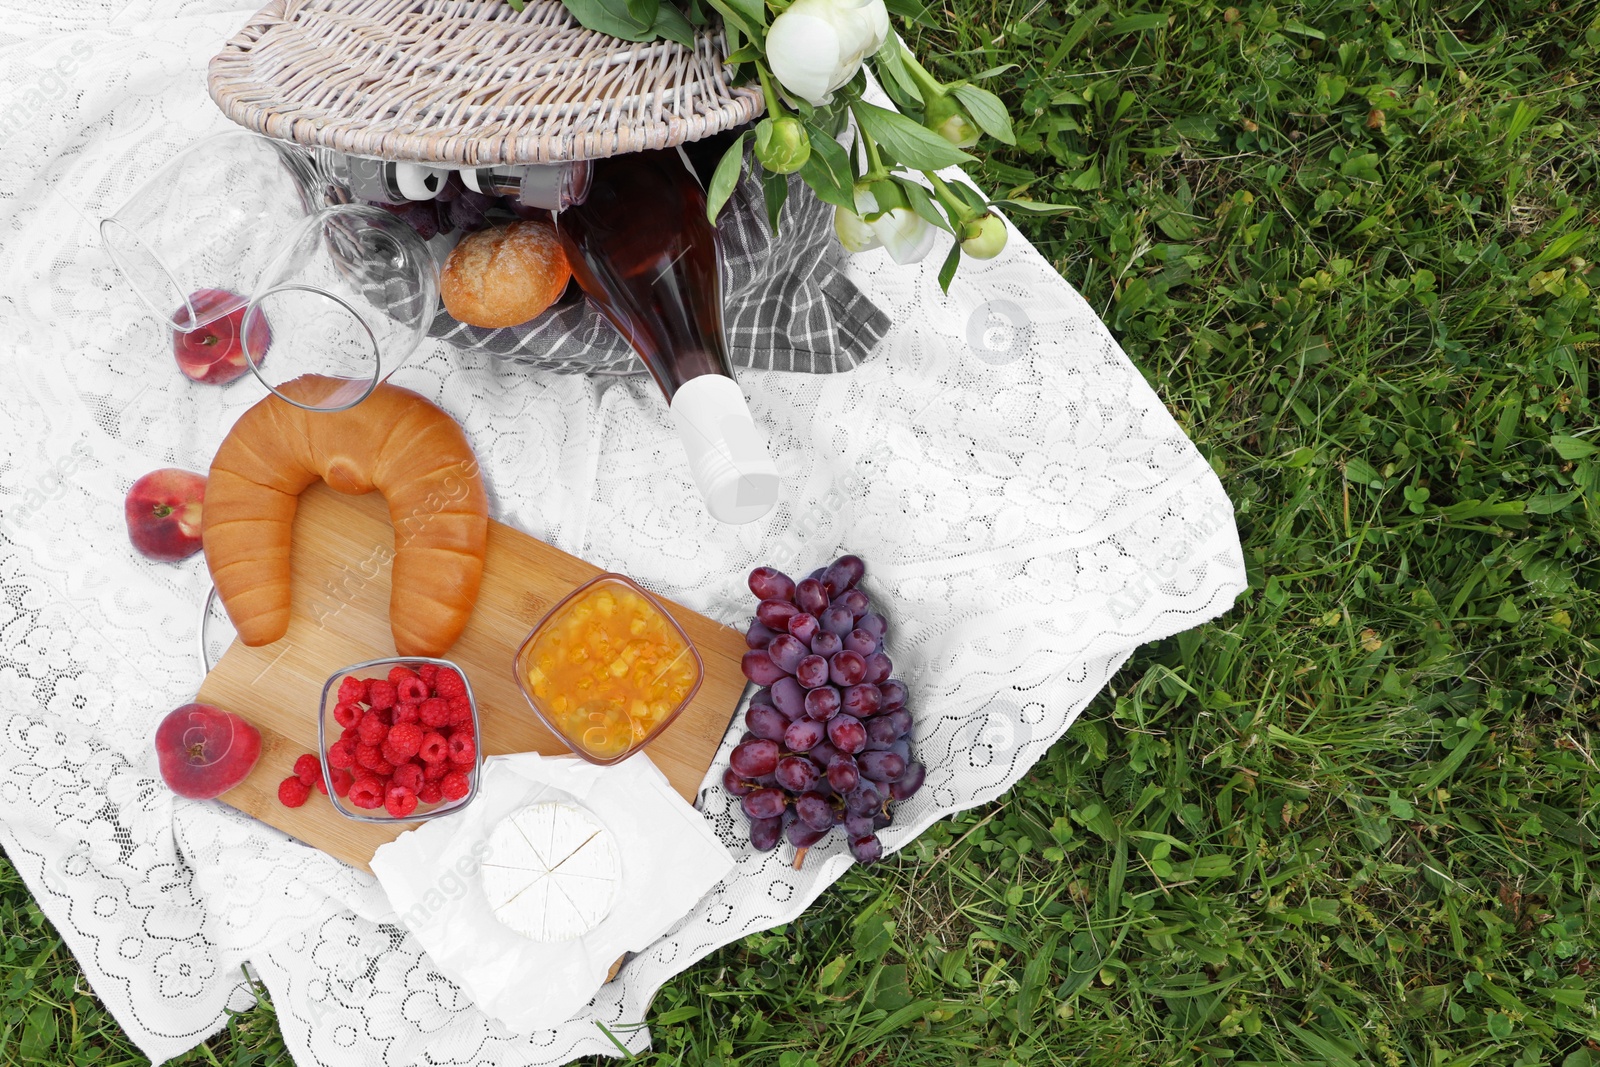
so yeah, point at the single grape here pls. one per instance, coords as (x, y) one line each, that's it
(861, 642)
(764, 803)
(847, 733)
(808, 595)
(766, 780)
(881, 730)
(747, 736)
(789, 698)
(797, 774)
(735, 785)
(816, 575)
(902, 721)
(844, 774)
(826, 644)
(902, 748)
(812, 671)
(909, 781)
(823, 754)
(787, 651)
(866, 849)
(879, 766)
(768, 583)
(802, 734)
(864, 799)
(843, 574)
(880, 820)
(858, 826)
(803, 625)
(802, 836)
(762, 696)
(758, 635)
(775, 614)
(766, 721)
(813, 810)
(837, 620)
(874, 624)
(759, 668)
(878, 667)
(765, 834)
(752, 759)
(856, 601)
(822, 702)
(862, 700)
(847, 668)
(894, 694)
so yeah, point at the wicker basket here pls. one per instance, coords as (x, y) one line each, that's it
(469, 83)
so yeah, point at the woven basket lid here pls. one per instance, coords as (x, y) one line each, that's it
(469, 82)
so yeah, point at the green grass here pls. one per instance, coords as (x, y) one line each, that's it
(1350, 823)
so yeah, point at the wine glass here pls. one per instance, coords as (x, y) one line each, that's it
(232, 227)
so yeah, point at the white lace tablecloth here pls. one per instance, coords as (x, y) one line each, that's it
(1029, 512)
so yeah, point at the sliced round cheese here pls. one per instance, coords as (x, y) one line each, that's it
(552, 873)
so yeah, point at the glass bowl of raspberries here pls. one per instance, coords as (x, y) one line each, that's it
(399, 739)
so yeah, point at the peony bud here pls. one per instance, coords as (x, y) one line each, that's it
(905, 234)
(815, 46)
(983, 238)
(782, 144)
(945, 117)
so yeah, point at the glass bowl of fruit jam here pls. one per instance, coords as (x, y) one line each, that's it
(608, 669)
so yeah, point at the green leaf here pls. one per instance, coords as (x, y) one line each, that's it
(726, 177)
(1139, 23)
(643, 12)
(1550, 503)
(1033, 207)
(1034, 977)
(947, 272)
(1499, 1025)
(833, 970)
(890, 61)
(987, 111)
(671, 25)
(610, 17)
(1361, 472)
(911, 144)
(1572, 447)
(1080, 29)
(776, 188)
(828, 170)
(919, 200)
(738, 23)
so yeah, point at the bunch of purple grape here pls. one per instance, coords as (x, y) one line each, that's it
(828, 742)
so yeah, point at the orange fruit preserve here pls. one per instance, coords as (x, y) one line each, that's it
(609, 668)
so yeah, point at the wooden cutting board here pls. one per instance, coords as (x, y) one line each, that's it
(341, 557)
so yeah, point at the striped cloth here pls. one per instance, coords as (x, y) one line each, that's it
(787, 303)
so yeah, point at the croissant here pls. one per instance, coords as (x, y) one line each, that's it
(395, 442)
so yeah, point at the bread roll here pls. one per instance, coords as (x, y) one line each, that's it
(504, 276)
(395, 442)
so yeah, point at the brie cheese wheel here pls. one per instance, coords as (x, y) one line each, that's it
(552, 872)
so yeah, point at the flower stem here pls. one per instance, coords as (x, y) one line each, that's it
(956, 207)
(774, 108)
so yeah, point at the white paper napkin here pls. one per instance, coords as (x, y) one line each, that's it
(670, 859)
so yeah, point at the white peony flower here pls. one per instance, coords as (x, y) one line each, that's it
(815, 46)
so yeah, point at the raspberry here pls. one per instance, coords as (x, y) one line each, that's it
(397, 673)
(405, 739)
(308, 769)
(448, 684)
(407, 712)
(341, 755)
(368, 756)
(435, 712)
(292, 792)
(350, 734)
(342, 780)
(434, 748)
(412, 688)
(432, 772)
(454, 786)
(408, 775)
(353, 691)
(399, 801)
(346, 713)
(381, 694)
(384, 769)
(366, 792)
(462, 748)
(460, 710)
(428, 672)
(430, 793)
(391, 754)
(372, 728)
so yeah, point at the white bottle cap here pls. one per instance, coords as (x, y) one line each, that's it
(729, 461)
(417, 182)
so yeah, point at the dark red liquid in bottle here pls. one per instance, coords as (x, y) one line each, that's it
(645, 253)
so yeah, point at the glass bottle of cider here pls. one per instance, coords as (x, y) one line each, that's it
(644, 252)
